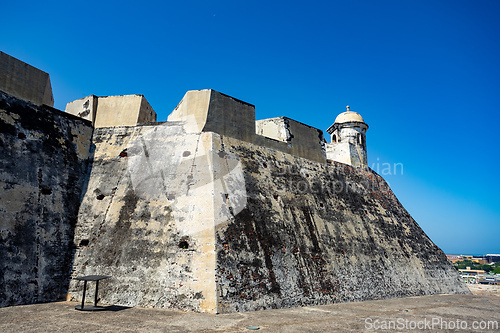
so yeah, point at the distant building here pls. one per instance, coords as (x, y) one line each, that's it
(471, 272)
(471, 275)
(481, 261)
(454, 258)
(490, 280)
(493, 258)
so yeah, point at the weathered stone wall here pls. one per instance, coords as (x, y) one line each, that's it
(347, 153)
(43, 165)
(204, 222)
(147, 218)
(199, 213)
(315, 233)
(85, 108)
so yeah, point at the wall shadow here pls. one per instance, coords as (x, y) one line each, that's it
(44, 169)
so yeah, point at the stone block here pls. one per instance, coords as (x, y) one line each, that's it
(24, 81)
(301, 139)
(110, 111)
(84, 107)
(211, 111)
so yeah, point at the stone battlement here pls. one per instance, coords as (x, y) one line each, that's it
(200, 111)
(211, 111)
(208, 110)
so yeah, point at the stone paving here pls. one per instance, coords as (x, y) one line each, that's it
(435, 313)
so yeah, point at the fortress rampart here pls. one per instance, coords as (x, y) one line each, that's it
(210, 211)
(211, 111)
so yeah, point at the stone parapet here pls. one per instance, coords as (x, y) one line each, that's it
(24, 81)
(109, 111)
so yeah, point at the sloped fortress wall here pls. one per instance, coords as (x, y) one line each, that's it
(147, 218)
(313, 233)
(206, 222)
(43, 167)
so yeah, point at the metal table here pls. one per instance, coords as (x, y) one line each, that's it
(95, 278)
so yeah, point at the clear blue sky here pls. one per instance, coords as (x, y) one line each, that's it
(425, 75)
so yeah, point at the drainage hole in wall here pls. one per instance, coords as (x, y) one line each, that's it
(265, 165)
(186, 153)
(84, 242)
(124, 153)
(183, 245)
(100, 197)
(321, 205)
(45, 190)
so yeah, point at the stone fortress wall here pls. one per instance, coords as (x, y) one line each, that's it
(210, 211)
(44, 159)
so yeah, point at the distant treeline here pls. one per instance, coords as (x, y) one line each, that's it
(463, 264)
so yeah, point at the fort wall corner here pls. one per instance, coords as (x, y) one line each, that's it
(24, 81)
(111, 111)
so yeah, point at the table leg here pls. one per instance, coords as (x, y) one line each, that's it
(84, 289)
(96, 289)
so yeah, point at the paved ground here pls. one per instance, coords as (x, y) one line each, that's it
(484, 289)
(434, 313)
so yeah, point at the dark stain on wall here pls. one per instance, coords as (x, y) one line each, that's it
(42, 176)
(286, 249)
